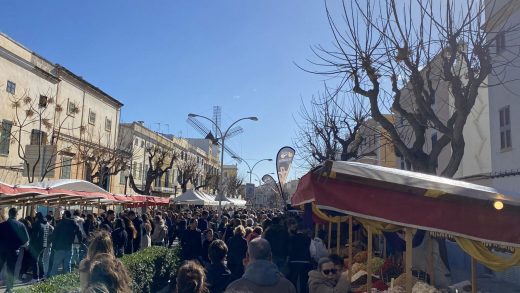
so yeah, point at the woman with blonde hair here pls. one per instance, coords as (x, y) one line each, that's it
(146, 238)
(190, 279)
(100, 243)
(237, 246)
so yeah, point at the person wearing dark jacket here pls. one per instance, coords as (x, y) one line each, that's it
(63, 238)
(208, 239)
(237, 251)
(119, 238)
(138, 225)
(191, 241)
(90, 225)
(181, 227)
(203, 221)
(299, 258)
(41, 231)
(218, 275)
(278, 238)
(107, 222)
(18, 237)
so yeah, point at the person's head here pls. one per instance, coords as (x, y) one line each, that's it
(258, 230)
(249, 230)
(258, 249)
(209, 234)
(90, 218)
(327, 268)
(66, 214)
(193, 223)
(109, 271)
(225, 220)
(337, 260)
(217, 251)
(76, 213)
(119, 224)
(39, 217)
(110, 215)
(131, 215)
(100, 242)
(240, 231)
(190, 278)
(157, 220)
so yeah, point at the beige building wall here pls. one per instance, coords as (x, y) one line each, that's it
(35, 76)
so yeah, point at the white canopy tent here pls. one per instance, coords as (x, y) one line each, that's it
(66, 184)
(193, 197)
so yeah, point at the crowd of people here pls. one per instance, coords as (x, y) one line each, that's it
(240, 250)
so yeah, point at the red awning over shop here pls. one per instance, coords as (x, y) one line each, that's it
(414, 200)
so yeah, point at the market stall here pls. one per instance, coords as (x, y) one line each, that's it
(389, 200)
(193, 197)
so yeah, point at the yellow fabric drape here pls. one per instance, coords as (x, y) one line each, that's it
(482, 254)
(379, 227)
(325, 217)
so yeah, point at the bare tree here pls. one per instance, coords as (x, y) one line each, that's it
(46, 125)
(401, 54)
(232, 184)
(329, 130)
(188, 170)
(159, 162)
(206, 180)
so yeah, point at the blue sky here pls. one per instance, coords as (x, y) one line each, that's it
(165, 59)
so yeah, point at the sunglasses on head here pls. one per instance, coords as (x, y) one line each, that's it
(331, 271)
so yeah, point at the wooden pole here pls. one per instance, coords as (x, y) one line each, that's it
(473, 275)
(330, 236)
(349, 247)
(408, 260)
(429, 258)
(369, 259)
(338, 240)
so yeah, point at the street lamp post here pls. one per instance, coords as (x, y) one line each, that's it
(251, 169)
(222, 138)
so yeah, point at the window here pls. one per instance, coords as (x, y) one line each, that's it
(140, 171)
(134, 170)
(142, 143)
(434, 139)
(5, 136)
(505, 128)
(500, 42)
(66, 167)
(42, 101)
(122, 178)
(136, 142)
(71, 108)
(91, 117)
(11, 87)
(38, 137)
(145, 171)
(108, 124)
(167, 179)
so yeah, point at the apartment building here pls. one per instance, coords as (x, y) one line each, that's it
(49, 116)
(376, 146)
(138, 139)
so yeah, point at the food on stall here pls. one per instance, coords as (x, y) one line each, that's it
(376, 264)
(360, 257)
(358, 267)
(401, 281)
(421, 287)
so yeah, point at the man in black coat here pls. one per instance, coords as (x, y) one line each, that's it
(191, 242)
(39, 244)
(278, 238)
(218, 275)
(14, 235)
(299, 257)
(138, 223)
(62, 240)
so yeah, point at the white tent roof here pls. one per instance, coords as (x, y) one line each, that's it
(237, 202)
(67, 184)
(193, 197)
